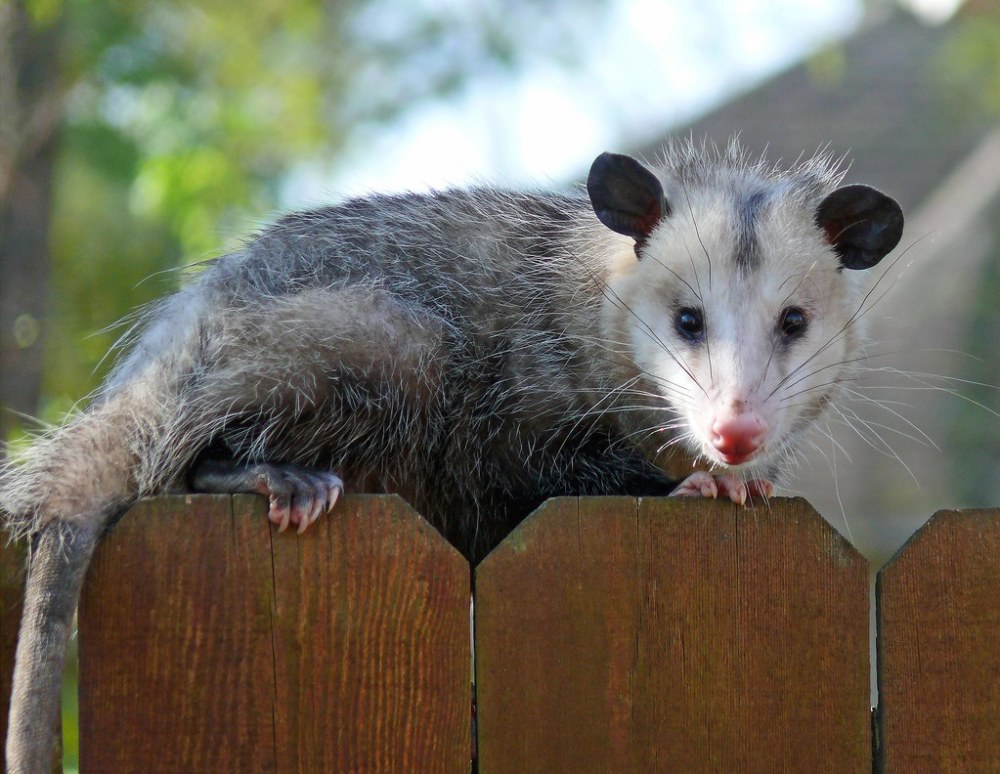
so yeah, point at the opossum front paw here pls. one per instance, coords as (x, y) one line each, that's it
(295, 495)
(704, 484)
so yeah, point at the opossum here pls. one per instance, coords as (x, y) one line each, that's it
(476, 351)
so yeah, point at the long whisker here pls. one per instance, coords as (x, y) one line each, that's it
(882, 446)
(647, 330)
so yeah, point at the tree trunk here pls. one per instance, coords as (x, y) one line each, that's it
(31, 109)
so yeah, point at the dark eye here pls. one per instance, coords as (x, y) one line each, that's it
(793, 322)
(690, 323)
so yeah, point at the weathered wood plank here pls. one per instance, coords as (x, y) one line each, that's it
(672, 635)
(372, 649)
(209, 642)
(938, 603)
(176, 662)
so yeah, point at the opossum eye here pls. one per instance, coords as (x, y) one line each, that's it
(690, 323)
(792, 323)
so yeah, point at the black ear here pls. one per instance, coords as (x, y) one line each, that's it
(862, 224)
(626, 196)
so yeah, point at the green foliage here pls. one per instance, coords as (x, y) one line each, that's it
(970, 62)
(183, 117)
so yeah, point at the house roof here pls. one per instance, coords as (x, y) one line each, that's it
(880, 98)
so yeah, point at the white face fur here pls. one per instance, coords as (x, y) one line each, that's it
(742, 303)
(746, 348)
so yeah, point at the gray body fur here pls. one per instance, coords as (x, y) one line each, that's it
(474, 351)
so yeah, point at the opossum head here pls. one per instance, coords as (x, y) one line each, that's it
(743, 302)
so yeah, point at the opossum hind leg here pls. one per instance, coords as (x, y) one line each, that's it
(328, 379)
(295, 495)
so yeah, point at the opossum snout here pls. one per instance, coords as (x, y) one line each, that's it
(736, 437)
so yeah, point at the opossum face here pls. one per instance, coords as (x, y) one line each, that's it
(740, 306)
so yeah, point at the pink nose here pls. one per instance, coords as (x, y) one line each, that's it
(736, 437)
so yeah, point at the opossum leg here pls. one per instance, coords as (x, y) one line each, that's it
(295, 495)
(731, 485)
(698, 484)
(59, 561)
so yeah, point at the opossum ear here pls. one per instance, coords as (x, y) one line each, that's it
(862, 224)
(626, 196)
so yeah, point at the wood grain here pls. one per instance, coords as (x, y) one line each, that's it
(372, 647)
(209, 642)
(672, 635)
(939, 647)
(176, 663)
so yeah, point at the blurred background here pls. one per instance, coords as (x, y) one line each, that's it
(137, 138)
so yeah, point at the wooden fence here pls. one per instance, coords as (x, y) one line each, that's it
(611, 635)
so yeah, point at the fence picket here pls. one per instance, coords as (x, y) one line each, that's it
(938, 604)
(612, 634)
(175, 659)
(229, 647)
(372, 651)
(672, 635)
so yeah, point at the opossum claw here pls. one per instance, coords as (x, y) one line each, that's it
(328, 488)
(698, 484)
(295, 495)
(760, 487)
(731, 485)
(312, 507)
(335, 490)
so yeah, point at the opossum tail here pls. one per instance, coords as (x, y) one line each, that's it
(63, 494)
(60, 555)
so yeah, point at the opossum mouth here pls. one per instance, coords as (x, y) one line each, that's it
(737, 459)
